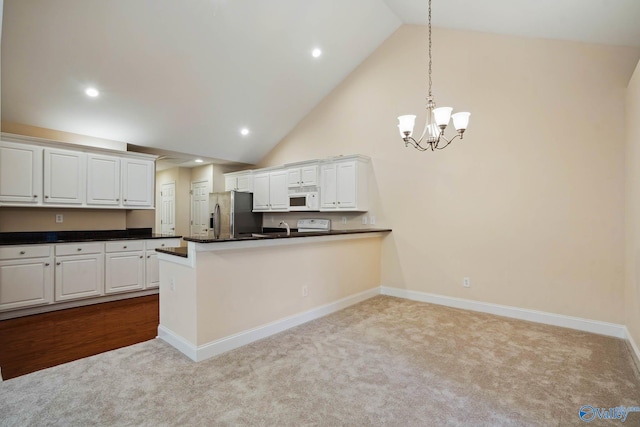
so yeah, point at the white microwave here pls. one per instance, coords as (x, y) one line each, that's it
(309, 201)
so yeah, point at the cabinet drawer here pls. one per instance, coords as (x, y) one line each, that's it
(162, 243)
(79, 248)
(125, 246)
(18, 252)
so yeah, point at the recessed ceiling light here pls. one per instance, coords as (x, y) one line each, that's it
(316, 52)
(244, 131)
(92, 92)
(198, 160)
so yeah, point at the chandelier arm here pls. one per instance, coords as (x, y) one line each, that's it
(449, 141)
(416, 144)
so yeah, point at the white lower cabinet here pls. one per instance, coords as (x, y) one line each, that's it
(79, 271)
(124, 266)
(152, 269)
(31, 276)
(26, 276)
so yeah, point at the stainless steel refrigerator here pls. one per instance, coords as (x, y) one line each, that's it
(232, 216)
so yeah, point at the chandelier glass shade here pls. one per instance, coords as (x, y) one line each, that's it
(437, 119)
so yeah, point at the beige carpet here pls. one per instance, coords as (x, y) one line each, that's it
(386, 361)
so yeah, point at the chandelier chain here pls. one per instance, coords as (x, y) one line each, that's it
(430, 95)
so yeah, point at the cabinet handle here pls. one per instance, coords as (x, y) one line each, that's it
(163, 243)
(125, 200)
(46, 264)
(148, 256)
(79, 249)
(334, 203)
(57, 263)
(124, 247)
(46, 197)
(338, 202)
(22, 252)
(140, 256)
(35, 196)
(117, 200)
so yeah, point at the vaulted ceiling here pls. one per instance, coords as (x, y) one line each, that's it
(189, 75)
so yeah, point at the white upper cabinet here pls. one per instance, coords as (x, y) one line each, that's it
(64, 177)
(137, 182)
(344, 185)
(20, 174)
(103, 180)
(302, 176)
(239, 181)
(47, 174)
(270, 192)
(261, 191)
(328, 199)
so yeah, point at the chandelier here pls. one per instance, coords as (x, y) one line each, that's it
(437, 120)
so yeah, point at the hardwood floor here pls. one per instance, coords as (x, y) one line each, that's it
(31, 343)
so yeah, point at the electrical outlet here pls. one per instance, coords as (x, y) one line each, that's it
(344, 219)
(305, 291)
(466, 282)
(364, 220)
(59, 218)
(372, 220)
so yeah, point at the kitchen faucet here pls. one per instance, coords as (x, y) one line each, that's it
(287, 226)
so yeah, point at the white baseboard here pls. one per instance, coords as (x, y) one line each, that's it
(214, 348)
(231, 342)
(634, 347)
(184, 346)
(594, 326)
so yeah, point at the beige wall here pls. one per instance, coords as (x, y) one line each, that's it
(529, 205)
(268, 293)
(43, 219)
(235, 290)
(57, 135)
(632, 232)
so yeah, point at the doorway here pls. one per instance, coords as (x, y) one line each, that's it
(168, 209)
(199, 208)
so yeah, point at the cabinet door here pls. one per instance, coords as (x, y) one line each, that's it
(346, 185)
(124, 271)
(103, 180)
(309, 175)
(79, 276)
(20, 173)
(328, 187)
(152, 270)
(245, 183)
(25, 283)
(278, 191)
(261, 191)
(293, 178)
(229, 183)
(137, 182)
(64, 177)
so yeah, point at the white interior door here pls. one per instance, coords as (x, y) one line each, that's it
(168, 209)
(199, 208)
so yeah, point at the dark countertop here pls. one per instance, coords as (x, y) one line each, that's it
(281, 234)
(181, 252)
(40, 237)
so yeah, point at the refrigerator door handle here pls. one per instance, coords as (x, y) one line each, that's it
(216, 221)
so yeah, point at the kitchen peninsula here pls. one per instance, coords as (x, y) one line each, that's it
(221, 294)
